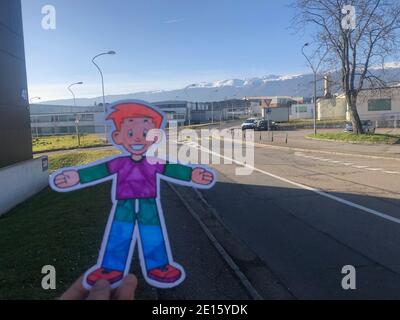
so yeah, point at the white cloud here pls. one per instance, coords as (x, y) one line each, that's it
(174, 21)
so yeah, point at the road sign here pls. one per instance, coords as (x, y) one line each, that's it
(269, 110)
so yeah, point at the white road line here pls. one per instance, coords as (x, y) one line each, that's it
(347, 164)
(392, 172)
(302, 186)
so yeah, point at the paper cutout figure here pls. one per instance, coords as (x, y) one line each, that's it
(136, 216)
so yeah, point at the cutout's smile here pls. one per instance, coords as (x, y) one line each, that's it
(137, 147)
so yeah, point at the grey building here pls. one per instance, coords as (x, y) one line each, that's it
(15, 138)
(49, 120)
(21, 176)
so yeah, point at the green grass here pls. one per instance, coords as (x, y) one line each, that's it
(50, 143)
(361, 138)
(60, 229)
(62, 160)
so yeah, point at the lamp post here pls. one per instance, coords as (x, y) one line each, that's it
(190, 108)
(315, 72)
(70, 90)
(34, 98)
(77, 121)
(102, 86)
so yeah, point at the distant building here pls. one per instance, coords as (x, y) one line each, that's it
(334, 108)
(382, 105)
(63, 120)
(302, 111)
(282, 106)
(379, 104)
(175, 110)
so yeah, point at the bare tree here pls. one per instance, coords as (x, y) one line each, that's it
(355, 46)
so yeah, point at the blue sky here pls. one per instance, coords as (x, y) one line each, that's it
(160, 44)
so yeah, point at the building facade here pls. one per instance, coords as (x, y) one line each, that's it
(15, 129)
(21, 176)
(379, 104)
(50, 120)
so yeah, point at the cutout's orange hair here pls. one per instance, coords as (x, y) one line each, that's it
(134, 110)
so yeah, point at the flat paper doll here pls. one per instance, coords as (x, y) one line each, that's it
(136, 216)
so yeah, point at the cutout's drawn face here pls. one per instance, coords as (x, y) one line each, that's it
(133, 133)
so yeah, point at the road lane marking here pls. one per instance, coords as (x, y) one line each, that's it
(305, 187)
(347, 164)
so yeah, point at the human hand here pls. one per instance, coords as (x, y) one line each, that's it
(102, 290)
(202, 176)
(67, 179)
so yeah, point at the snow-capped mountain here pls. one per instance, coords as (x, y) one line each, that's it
(270, 85)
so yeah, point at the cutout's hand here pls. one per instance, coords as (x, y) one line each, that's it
(202, 176)
(102, 290)
(67, 179)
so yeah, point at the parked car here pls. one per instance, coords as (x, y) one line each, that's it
(249, 124)
(367, 125)
(265, 125)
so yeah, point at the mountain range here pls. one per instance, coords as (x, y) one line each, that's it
(300, 85)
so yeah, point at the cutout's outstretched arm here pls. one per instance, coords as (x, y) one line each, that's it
(70, 178)
(199, 176)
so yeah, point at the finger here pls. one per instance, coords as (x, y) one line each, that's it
(201, 170)
(75, 292)
(208, 175)
(62, 185)
(59, 179)
(127, 289)
(100, 291)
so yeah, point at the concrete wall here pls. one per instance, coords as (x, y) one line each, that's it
(332, 109)
(15, 132)
(21, 181)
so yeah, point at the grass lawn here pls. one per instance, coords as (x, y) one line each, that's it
(362, 138)
(60, 229)
(43, 144)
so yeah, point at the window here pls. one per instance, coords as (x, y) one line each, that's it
(379, 104)
(301, 109)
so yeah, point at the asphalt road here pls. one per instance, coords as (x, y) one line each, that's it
(307, 215)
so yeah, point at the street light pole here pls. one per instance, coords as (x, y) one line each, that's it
(34, 98)
(102, 87)
(70, 90)
(315, 72)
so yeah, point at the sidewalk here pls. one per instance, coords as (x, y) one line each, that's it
(298, 140)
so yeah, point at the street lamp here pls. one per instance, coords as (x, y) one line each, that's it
(315, 72)
(70, 90)
(34, 98)
(102, 86)
(190, 108)
(212, 107)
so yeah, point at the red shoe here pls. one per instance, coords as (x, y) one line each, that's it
(168, 274)
(110, 275)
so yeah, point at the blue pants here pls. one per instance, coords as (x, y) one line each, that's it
(144, 213)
